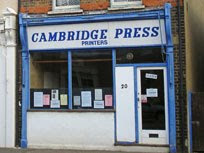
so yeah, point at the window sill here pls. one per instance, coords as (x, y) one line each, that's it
(116, 8)
(73, 110)
(70, 11)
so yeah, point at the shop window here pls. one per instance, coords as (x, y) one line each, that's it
(140, 55)
(48, 80)
(65, 4)
(125, 3)
(92, 80)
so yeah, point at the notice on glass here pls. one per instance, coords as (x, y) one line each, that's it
(55, 94)
(143, 99)
(86, 99)
(55, 104)
(77, 100)
(152, 92)
(98, 94)
(63, 99)
(108, 100)
(98, 104)
(38, 99)
(46, 99)
(151, 76)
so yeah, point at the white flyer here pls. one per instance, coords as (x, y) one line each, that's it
(55, 104)
(98, 104)
(151, 76)
(77, 100)
(38, 99)
(55, 94)
(98, 94)
(152, 92)
(86, 99)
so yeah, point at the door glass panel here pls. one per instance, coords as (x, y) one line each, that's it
(152, 99)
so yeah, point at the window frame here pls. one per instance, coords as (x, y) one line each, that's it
(69, 7)
(70, 105)
(125, 4)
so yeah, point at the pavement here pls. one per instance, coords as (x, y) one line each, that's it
(6, 150)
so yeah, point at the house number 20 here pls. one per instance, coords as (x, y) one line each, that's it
(124, 86)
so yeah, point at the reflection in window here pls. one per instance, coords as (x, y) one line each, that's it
(125, 3)
(140, 55)
(67, 2)
(48, 80)
(92, 79)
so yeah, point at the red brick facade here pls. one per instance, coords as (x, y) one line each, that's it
(43, 6)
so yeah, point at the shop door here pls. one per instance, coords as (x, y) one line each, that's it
(152, 105)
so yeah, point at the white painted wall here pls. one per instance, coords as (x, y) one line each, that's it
(125, 104)
(2, 88)
(71, 130)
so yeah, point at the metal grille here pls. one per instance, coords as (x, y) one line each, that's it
(67, 2)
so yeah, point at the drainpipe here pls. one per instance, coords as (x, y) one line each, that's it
(181, 78)
(10, 37)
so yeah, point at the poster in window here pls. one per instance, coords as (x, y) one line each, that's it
(77, 100)
(55, 104)
(152, 92)
(108, 100)
(98, 104)
(98, 94)
(151, 76)
(46, 99)
(86, 99)
(63, 99)
(38, 99)
(143, 99)
(55, 94)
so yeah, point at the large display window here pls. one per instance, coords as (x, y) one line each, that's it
(48, 80)
(91, 80)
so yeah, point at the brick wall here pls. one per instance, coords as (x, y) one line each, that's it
(35, 6)
(43, 6)
(177, 75)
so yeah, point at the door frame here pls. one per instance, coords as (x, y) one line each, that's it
(140, 131)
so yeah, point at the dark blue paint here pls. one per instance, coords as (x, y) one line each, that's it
(114, 91)
(95, 47)
(136, 107)
(39, 21)
(70, 78)
(170, 77)
(190, 121)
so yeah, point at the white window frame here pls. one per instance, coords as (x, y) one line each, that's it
(125, 4)
(54, 7)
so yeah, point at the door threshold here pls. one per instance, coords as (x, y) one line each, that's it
(136, 144)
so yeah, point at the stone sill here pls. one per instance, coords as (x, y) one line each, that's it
(73, 110)
(74, 11)
(126, 8)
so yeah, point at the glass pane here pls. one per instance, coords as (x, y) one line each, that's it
(67, 2)
(48, 78)
(153, 99)
(92, 77)
(139, 55)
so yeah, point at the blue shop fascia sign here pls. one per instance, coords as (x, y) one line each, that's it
(99, 31)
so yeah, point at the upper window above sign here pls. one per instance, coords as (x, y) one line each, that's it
(66, 4)
(126, 4)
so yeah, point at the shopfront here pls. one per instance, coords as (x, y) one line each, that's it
(98, 81)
